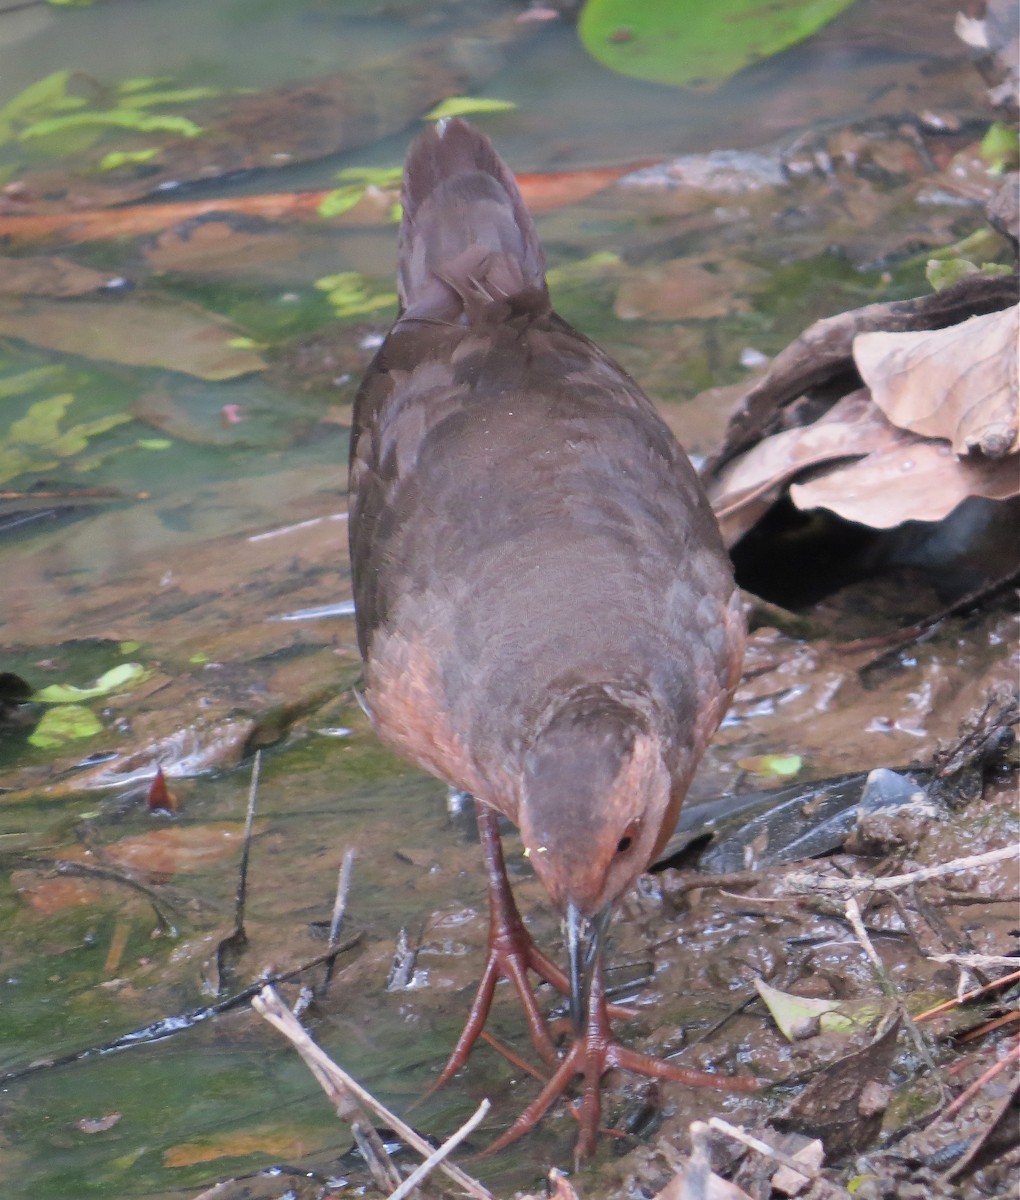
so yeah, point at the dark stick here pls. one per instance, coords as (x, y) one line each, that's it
(249, 821)
(343, 888)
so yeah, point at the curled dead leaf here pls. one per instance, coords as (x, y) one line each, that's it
(912, 479)
(958, 383)
(751, 484)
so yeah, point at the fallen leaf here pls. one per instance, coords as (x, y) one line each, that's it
(177, 849)
(48, 896)
(838, 1104)
(958, 383)
(794, 1015)
(911, 480)
(695, 45)
(113, 680)
(142, 333)
(750, 484)
(782, 765)
(98, 1124)
(64, 723)
(276, 1143)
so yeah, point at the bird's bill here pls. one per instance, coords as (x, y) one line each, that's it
(585, 937)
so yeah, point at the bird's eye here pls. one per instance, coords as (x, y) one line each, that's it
(629, 834)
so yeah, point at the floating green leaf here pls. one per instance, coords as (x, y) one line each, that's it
(783, 765)
(380, 177)
(144, 83)
(35, 442)
(123, 118)
(39, 97)
(114, 680)
(63, 724)
(28, 381)
(121, 158)
(688, 43)
(340, 200)
(348, 294)
(467, 106)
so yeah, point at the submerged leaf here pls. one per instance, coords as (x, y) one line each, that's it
(122, 158)
(122, 118)
(63, 724)
(126, 675)
(691, 44)
(146, 333)
(41, 424)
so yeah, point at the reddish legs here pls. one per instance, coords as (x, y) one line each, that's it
(511, 953)
(594, 1053)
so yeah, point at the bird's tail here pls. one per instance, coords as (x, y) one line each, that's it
(466, 238)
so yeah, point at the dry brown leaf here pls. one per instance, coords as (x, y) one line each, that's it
(277, 1143)
(749, 486)
(52, 895)
(958, 383)
(177, 849)
(48, 275)
(911, 480)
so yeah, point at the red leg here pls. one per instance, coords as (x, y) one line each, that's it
(511, 953)
(591, 1056)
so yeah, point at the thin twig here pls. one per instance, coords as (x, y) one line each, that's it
(780, 1156)
(806, 881)
(1012, 1057)
(912, 633)
(333, 1082)
(343, 888)
(436, 1158)
(1009, 1018)
(853, 915)
(269, 1005)
(249, 824)
(974, 995)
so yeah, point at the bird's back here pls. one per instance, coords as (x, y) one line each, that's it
(523, 524)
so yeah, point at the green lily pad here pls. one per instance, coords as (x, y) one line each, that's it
(64, 723)
(126, 675)
(688, 43)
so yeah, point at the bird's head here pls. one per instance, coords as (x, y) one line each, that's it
(594, 799)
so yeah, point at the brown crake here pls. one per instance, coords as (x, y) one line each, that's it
(547, 616)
